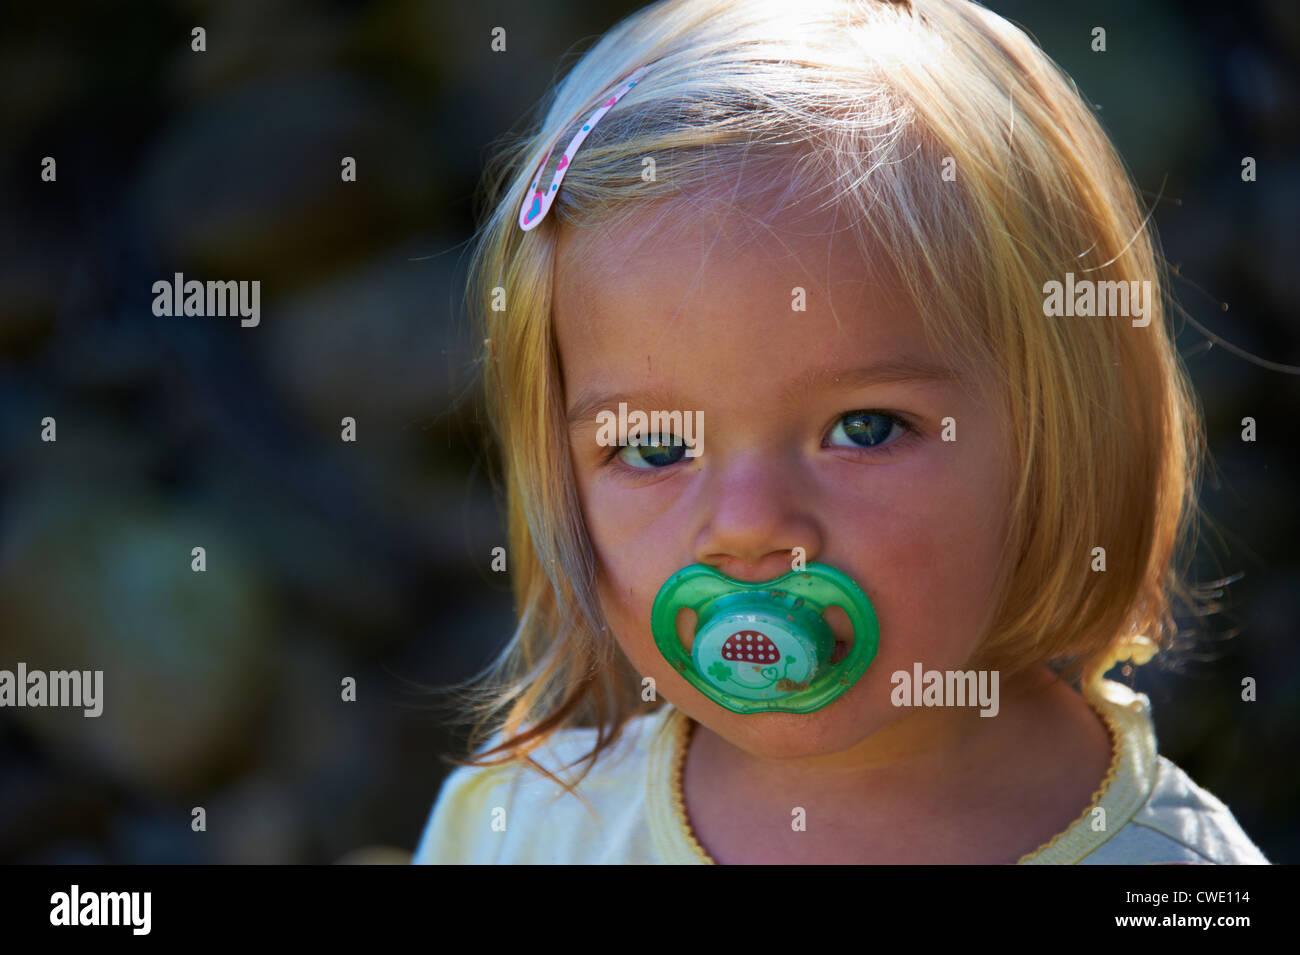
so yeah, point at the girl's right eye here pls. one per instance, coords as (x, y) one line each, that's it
(660, 452)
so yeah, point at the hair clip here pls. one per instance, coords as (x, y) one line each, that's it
(538, 201)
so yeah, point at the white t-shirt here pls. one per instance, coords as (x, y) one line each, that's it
(511, 814)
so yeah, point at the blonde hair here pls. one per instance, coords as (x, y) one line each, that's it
(867, 103)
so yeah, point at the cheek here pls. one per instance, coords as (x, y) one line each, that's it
(624, 542)
(633, 552)
(626, 594)
(931, 554)
(933, 584)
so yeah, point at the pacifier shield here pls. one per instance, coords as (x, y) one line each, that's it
(764, 647)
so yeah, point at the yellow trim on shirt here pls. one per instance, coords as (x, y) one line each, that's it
(1122, 792)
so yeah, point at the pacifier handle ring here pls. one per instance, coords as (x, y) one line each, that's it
(861, 614)
(695, 586)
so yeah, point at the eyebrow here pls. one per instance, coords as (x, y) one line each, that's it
(889, 371)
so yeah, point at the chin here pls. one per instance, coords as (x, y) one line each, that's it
(832, 729)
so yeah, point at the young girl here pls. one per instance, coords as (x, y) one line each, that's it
(827, 516)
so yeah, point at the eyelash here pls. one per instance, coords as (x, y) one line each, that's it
(611, 460)
(910, 432)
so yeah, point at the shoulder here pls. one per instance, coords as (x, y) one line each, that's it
(1181, 822)
(514, 814)
(1168, 818)
(1148, 811)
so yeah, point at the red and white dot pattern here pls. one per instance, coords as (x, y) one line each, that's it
(750, 646)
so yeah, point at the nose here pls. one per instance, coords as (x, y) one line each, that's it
(758, 513)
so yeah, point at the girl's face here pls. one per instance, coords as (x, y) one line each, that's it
(814, 434)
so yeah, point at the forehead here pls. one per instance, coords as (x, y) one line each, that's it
(688, 275)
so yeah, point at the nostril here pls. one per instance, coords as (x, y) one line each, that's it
(842, 628)
(685, 624)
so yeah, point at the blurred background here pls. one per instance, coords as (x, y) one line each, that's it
(371, 560)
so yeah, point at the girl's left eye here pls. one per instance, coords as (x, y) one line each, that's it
(867, 429)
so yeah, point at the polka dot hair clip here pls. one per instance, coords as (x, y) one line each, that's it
(538, 201)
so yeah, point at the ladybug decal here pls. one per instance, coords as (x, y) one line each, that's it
(750, 646)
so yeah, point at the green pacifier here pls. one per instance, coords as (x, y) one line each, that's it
(765, 647)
